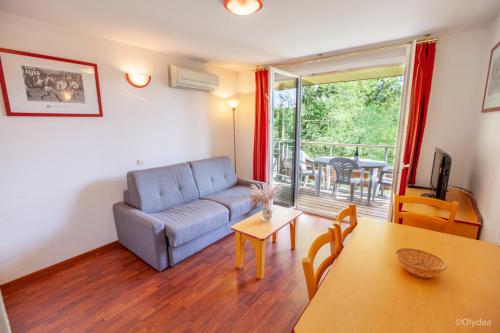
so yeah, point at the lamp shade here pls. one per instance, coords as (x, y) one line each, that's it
(138, 80)
(243, 7)
(233, 103)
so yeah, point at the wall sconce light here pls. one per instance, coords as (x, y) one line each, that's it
(138, 80)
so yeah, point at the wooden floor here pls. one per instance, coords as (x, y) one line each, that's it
(327, 205)
(117, 292)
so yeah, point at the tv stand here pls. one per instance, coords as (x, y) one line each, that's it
(467, 222)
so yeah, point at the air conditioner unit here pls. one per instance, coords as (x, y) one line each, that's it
(186, 78)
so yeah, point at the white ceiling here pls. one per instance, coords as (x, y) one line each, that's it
(283, 29)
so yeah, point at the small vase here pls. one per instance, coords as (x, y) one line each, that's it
(267, 211)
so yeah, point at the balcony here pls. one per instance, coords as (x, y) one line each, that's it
(321, 200)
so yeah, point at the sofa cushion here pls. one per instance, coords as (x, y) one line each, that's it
(213, 175)
(188, 221)
(157, 189)
(236, 199)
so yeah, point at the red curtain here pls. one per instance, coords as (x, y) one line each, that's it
(260, 142)
(420, 92)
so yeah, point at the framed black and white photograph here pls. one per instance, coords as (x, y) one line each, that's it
(491, 101)
(41, 85)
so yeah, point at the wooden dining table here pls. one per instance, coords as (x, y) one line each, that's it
(366, 289)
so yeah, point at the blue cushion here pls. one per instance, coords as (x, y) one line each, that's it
(236, 199)
(157, 189)
(192, 220)
(213, 175)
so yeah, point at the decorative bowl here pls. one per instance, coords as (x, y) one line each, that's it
(420, 263)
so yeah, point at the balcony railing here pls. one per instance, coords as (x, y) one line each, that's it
(283, 150)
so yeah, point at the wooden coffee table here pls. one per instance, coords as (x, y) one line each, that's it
(258, 231)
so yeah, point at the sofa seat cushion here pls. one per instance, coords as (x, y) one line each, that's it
(236, 199)
(186, 222)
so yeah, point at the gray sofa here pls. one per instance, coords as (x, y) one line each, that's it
(174, 211)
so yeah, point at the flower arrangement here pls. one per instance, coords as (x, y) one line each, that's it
(264, 196)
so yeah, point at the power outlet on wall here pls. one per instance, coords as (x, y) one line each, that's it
(140, 162)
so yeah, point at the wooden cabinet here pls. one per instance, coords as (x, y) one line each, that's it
(468, 220)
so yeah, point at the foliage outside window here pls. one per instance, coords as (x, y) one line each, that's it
(353, 112)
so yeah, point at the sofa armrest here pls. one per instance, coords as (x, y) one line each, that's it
(142, 234)
(248, 182)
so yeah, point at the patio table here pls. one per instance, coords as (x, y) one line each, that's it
(365, 164)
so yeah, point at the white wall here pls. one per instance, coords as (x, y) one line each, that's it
(4, 321)
(350, 61)
(60, 176)
(456, 124)
(245, 123)
(453, 106)
(485, 175)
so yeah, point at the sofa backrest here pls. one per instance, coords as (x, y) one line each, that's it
(213, 175)
(157, 189)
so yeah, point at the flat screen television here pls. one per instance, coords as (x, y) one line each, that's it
(440, 174)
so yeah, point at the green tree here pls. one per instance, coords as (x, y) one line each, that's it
(363, 112)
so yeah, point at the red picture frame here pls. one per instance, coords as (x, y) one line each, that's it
(3, 85)
(496, 108)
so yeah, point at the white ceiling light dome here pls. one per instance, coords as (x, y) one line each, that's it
(243, 7)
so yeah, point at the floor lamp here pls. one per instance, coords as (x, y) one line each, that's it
(233, 104)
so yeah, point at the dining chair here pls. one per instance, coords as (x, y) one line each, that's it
(343, 175)
(351, 213)
(421, 220)
(313, 278)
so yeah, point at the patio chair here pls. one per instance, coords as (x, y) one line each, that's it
(286, 167)
(343, 175)
(385, 178)
(307, 168)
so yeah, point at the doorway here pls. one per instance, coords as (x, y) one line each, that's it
(323, 118)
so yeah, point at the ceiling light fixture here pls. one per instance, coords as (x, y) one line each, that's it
(243, 7)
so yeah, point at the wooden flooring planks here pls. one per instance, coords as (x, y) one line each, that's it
(114, 291)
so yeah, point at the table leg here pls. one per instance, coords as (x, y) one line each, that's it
(370, 185)
(275, 237)
(240, 244)
(328, 176)
(293, 233)
(260, 255)
(375, 180)
(318, 181)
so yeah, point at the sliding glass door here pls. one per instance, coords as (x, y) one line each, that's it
(283, 133)
(357, 114)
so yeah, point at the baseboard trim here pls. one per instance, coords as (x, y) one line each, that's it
(59, 266)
